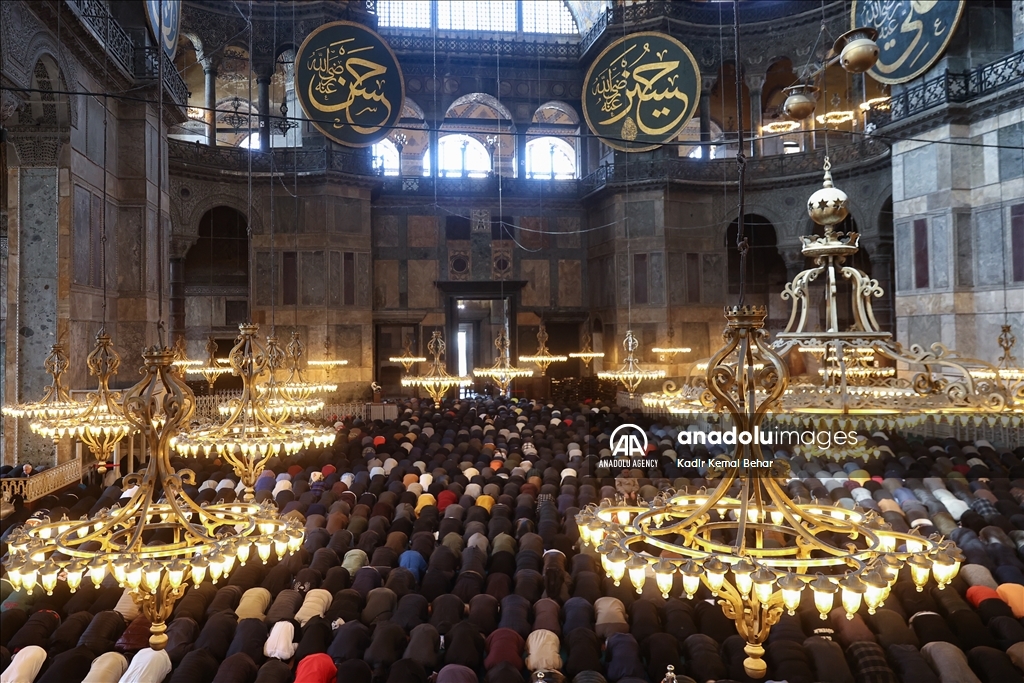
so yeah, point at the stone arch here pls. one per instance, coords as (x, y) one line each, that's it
(63, 72)
(194, 199)
(415, 109)
(561, 107)
(479, 98)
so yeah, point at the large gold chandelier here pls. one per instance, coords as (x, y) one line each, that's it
(502, 372)
(212, 368)
(630, 374)
(160, 539)
(543, 358)
(278, 402)
(587, 354)
(856, 384)
(407, 359)
(56, 403)
(250, 435)
(102, 422)
(437, 381)
(297, 387)
(759, 550)
(328, 362)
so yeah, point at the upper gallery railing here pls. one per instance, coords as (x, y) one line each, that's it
(43, 484)
(950, 88)
(137, 63)
(306, 161)
(723, 170)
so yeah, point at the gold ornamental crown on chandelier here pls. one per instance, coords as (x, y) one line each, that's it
(437, 381)
(543, 358)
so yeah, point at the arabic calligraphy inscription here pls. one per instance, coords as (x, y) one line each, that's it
(912, 34)
(164, 18)
(349, 83)
(641, 91)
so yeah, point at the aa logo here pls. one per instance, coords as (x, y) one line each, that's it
(629, 441)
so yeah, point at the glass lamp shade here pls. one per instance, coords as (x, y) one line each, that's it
(824, 595)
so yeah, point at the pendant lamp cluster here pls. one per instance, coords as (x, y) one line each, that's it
(502, 372)
(437, 381)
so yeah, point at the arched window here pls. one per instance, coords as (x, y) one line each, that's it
(550, 157)
(460, 156)
(385, 157)
(538, 16)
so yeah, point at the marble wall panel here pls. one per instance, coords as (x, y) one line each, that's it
(903, 246)
(349, 343)
(347, 215)
(714, 271)
(920, 168)
(964, 236)
(385, 230)
(939, 241)
(537, 292)
(570, 284)
(623, 286)
(80, 236)
(312, 266)
(385, 284)
(422, 231)
(676, 279)
(129, 248)
(1011, 151)
(335, 265)
(656, 281)
(422, 290)
(362, 279)
(640, 218)
(532, 232)
(989, 246)
(569, 232)
(266, 274)
(924, 329)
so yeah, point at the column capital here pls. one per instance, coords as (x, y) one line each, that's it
(754, 82)
(706, 84)
(211, 64)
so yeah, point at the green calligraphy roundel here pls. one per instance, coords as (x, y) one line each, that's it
(912, 34)
(641, 91)
(349, 84)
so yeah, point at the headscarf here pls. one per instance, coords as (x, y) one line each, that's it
(318, 668)
(147, 666)
(25, 666)
(279, 643)
(456, 673)
(107, 668)
(542, 651)
(425, 500)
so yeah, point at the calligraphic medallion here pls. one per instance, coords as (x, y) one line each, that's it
(912, 34)
(164, 18)
(641, 91)
(349, 84)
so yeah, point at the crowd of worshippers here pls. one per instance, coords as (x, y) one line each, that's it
(442, 546)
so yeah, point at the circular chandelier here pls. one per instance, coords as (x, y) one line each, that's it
(780, 127)
(543, 358)
(213, 367)
(161, 538)
(102, 422)
(276, 401)
(586, 354)
(630, 374)
(754, 547)
(56, 403)
(250, 435)
(407, 359)
(437, 381)
(297, 387)
(327, 362)
(181, 359)
(502, 372)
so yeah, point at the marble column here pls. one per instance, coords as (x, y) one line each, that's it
(521, 128)
(433, 136)
(704, 112)
(210, 70)
(263, 103)
(34, 210)
(1017, 7)
(755, 82)
(177, 297)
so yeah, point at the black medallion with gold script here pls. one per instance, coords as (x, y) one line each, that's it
(349, 83)
(641, 91)
(912, 34)
(164, 17)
